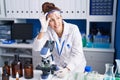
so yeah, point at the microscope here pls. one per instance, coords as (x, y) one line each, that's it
(47, 66)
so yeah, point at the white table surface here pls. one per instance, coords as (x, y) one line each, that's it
(36, 76)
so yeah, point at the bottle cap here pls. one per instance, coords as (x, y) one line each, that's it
(6, 62)
(88, 69)
(4, 71)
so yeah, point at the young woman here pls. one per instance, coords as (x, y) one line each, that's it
(68, 50)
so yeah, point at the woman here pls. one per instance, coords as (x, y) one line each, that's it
(68, 51)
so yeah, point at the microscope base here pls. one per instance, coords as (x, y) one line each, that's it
(49, 78)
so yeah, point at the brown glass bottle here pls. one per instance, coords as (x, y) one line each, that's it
(17, 67)
(28, 70)
(5, 76)
(7, 67)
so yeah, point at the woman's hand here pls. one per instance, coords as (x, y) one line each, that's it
(44, 23)
(62, 72)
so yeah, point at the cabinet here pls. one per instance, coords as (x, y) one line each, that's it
(97, 58)
(7, 52)
(105, 18)
(101, 13)
(70, 9)
(22, 9)
(32, 8)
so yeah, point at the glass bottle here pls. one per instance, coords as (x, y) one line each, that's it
(89, 41)
(84, 39)
(7, 67)
(117, 71)
(109, 75)
(28, 70)
(16, 67)
(87, 73)
(5, 76)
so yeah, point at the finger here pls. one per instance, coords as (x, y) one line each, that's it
(57, 72)
(60, 75)
(48, 20)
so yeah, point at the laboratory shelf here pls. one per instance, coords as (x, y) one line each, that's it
(16, 45)
(98, 57)
(12, 55)
(7, 51)
(100, 49)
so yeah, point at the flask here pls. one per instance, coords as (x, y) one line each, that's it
(7, 67)
(117, 71)
(16, 67)
(109, 75)
(28, 70)
(5, 76)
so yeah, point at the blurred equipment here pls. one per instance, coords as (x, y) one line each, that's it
(16, 66)
(117, 72)
(28, 70)
(6, 67)
(48, 67)
(22, 32)
(109, 74)
(5, 75)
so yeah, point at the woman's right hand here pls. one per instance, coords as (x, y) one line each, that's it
(44, 23)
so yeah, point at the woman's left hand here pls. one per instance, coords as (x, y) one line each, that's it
(62, 72)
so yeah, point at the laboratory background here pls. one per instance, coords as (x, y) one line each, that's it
(98, 22)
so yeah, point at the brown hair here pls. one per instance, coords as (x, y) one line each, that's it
(47, 7)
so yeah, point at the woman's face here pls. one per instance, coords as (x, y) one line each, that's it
(55, 21)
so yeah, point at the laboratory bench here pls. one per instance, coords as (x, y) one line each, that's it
(70, 76)
(95, 57)
(36, 76)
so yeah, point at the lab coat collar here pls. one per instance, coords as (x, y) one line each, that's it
(66, 28)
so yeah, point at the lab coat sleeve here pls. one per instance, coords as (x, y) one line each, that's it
(77, 57)
(39, 43)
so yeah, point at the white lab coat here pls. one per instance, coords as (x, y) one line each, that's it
(72, 53)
